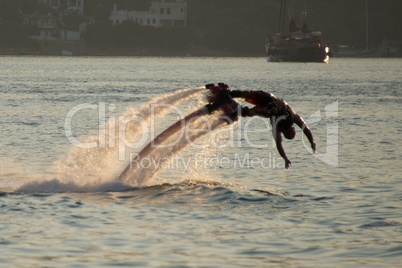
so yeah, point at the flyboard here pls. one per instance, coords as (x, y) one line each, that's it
(132, 172)
(218, 98)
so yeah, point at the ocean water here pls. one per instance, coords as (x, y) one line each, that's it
(70, 125)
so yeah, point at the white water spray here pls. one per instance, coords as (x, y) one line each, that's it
(95, 169)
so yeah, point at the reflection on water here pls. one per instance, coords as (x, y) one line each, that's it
(217, 213)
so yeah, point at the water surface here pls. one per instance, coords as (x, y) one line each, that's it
(234, 206)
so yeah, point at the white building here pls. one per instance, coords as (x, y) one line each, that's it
(48, 17)
(69, 5)
(167, 13)
(46, 21)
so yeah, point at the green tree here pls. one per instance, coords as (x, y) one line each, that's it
(12, 30)
(72, 20)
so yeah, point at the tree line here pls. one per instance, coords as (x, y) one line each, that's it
(237, 27)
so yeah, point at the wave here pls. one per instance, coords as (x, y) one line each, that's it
(210, 190)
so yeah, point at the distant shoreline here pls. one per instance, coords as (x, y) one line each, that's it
(79, 48)
(129, 54)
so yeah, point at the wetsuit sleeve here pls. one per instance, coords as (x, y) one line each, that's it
(279, 147)
(306, 130)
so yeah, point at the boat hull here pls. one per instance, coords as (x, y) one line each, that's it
(301, 54)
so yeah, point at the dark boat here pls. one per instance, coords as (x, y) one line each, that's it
(298, 45)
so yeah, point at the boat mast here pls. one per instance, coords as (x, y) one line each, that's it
(367, 38)
(282, 17)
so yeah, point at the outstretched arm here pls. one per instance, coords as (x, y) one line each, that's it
(278, 141)
(306, 130)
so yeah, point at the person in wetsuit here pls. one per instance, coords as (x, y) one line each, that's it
(282, 116)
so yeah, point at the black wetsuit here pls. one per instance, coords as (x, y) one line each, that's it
(279, 110)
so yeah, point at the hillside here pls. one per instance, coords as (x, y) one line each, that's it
(227, 27)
